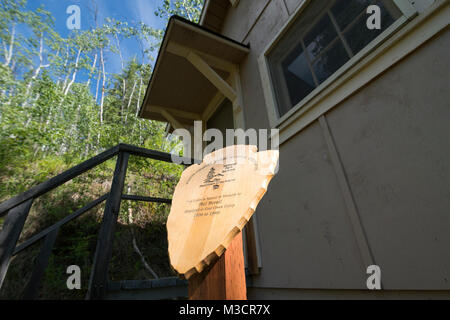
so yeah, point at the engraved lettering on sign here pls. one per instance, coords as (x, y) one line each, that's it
(209, 206)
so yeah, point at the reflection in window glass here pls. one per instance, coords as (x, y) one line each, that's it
(320, 36)
(299, 80)
(325, 36)
(357, 39)
(345, 11)
(330, 61)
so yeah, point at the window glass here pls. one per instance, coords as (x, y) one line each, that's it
(298, 76)
(330, 61)
(346, 11)
(357, 39)
(320, 36)
(323, 38)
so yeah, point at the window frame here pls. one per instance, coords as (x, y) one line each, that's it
(407, 10)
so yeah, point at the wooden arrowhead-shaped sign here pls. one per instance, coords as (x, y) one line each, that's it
(212, 203)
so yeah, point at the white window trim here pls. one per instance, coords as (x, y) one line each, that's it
(289, 123)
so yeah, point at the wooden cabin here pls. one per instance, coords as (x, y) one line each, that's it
(363, 116)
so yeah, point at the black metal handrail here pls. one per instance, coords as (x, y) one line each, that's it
(17, 210)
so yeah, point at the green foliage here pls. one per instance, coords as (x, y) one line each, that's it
(190, 9)
(45, 112)
(51, 121)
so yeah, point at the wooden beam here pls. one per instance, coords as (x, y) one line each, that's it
(174, 122)
(54, 182)
(156, 155)
(177, 112)
(32, 240)
(32, 288)
(146, 199)
(238, 114)
(215, 62)
(10, 233)
(218, 97)
(212, 106)
(211, 75)
(252, 252)
(103, 251)
(225, 279)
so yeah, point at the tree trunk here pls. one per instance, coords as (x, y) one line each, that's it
(129, 100)
(102, 60)
(9, 52)
(92, 69)
(74, 75)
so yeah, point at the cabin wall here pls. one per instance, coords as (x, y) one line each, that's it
(391, 142)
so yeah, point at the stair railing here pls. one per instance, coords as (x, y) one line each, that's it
(17, 209)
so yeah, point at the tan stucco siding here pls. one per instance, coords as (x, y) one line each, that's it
(391, 137)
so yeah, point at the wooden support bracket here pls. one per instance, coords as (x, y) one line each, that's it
(211, 75)
(213, 61)
(171, 119)
(177, 112)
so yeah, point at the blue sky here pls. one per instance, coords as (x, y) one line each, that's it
(131, 11)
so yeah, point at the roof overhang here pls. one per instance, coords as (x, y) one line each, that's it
(194, 65)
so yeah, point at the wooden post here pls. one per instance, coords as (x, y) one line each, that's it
(225, 279)
(252, 256)
(103, 252)
(32, 288)
(10, 234)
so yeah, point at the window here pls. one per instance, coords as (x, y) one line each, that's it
(325, 36)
